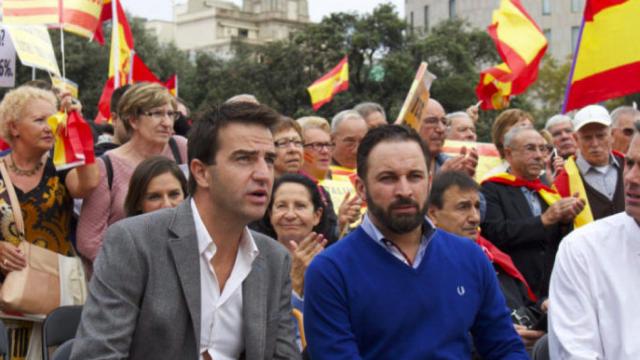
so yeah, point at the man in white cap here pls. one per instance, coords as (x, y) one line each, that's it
(594, 286)
(595, 172)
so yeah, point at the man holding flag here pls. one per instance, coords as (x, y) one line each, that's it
(595, 172)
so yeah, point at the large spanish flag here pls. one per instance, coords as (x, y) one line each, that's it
(331, 83)
(521, 46)
(606, 63)
(81, 17)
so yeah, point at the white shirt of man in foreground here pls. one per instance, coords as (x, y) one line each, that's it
(595, 285)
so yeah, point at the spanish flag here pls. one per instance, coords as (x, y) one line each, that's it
(121, 60)
(606, 63)
(74, 140)
(521, 46)
(331, 83)
(81, 17)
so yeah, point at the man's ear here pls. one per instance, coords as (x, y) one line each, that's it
(432, 214)
(200, 173)
(361, 188)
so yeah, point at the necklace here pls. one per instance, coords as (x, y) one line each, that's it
(22, 172)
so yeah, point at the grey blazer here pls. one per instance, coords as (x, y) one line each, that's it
(144, 296)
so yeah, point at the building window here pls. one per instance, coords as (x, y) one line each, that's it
(577, 6)
(575, 35)
(452, 9)
(546, 7)
(243, 33)
(426, 18)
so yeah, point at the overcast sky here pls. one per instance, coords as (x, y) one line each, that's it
(161, 9)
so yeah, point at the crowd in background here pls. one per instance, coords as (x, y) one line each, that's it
(548, 183)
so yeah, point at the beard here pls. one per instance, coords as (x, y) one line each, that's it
(398, 223)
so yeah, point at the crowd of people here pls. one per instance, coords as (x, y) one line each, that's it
(215, 238)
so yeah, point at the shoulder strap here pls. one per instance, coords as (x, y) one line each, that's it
(15, 204)
(109, 168)
(174, 150)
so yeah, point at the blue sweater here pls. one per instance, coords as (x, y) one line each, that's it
(362, 302)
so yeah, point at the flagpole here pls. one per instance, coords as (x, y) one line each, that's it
(61, 26)
(64, 73)
(573, 68)
(115, 44)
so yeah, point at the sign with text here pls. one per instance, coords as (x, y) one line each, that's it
(416, 100)
(34, 48)
(7, 59)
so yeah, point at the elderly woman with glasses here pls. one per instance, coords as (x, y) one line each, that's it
(287, 138)
(148, 112)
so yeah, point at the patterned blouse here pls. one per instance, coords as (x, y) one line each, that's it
(47, 211)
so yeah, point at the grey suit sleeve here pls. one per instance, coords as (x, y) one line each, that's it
(111, 311)
(286, 347)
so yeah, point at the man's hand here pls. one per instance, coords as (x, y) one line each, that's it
(474, 112)
(349, 211)
(466, 162)
(303, 253)
(563, 210)
(529, 337)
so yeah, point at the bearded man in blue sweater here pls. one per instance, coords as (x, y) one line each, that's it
(396, 287)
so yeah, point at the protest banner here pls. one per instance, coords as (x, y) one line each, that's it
(7, 60)
(488, 155)
(416, 100)
(34, 48)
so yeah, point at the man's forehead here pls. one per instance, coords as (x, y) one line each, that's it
(634, 148)
(561, 126)
(456, 195)
(412, 157)
(529, 136)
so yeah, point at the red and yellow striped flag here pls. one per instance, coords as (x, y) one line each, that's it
(74, 141)
(121, 60)
(521, 46)
(331, 83)
(606, 63)
(77, 16)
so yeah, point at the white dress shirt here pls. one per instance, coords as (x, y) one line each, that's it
(595, 292)
(221, 313)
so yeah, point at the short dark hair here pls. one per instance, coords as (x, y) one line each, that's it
(142, 176)
(203, 138)
(323, 227)
(116, 95)
(446, 180)
(387, 133)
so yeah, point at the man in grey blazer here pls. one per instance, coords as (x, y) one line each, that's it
(193, 282)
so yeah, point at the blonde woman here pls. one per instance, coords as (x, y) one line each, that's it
(148, 112)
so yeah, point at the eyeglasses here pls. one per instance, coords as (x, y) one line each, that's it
(285, 142)
(318, 146)
(628, 132)
(159, 114)
(433, 121)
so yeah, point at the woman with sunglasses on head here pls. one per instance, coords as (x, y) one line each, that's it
(148, 112)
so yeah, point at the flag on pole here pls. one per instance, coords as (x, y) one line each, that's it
(606, 62)
(80, 17)
(331, 83)
(172, 84)
(121, 60)
(521, 46)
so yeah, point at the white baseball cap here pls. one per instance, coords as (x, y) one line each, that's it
(591, 114)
